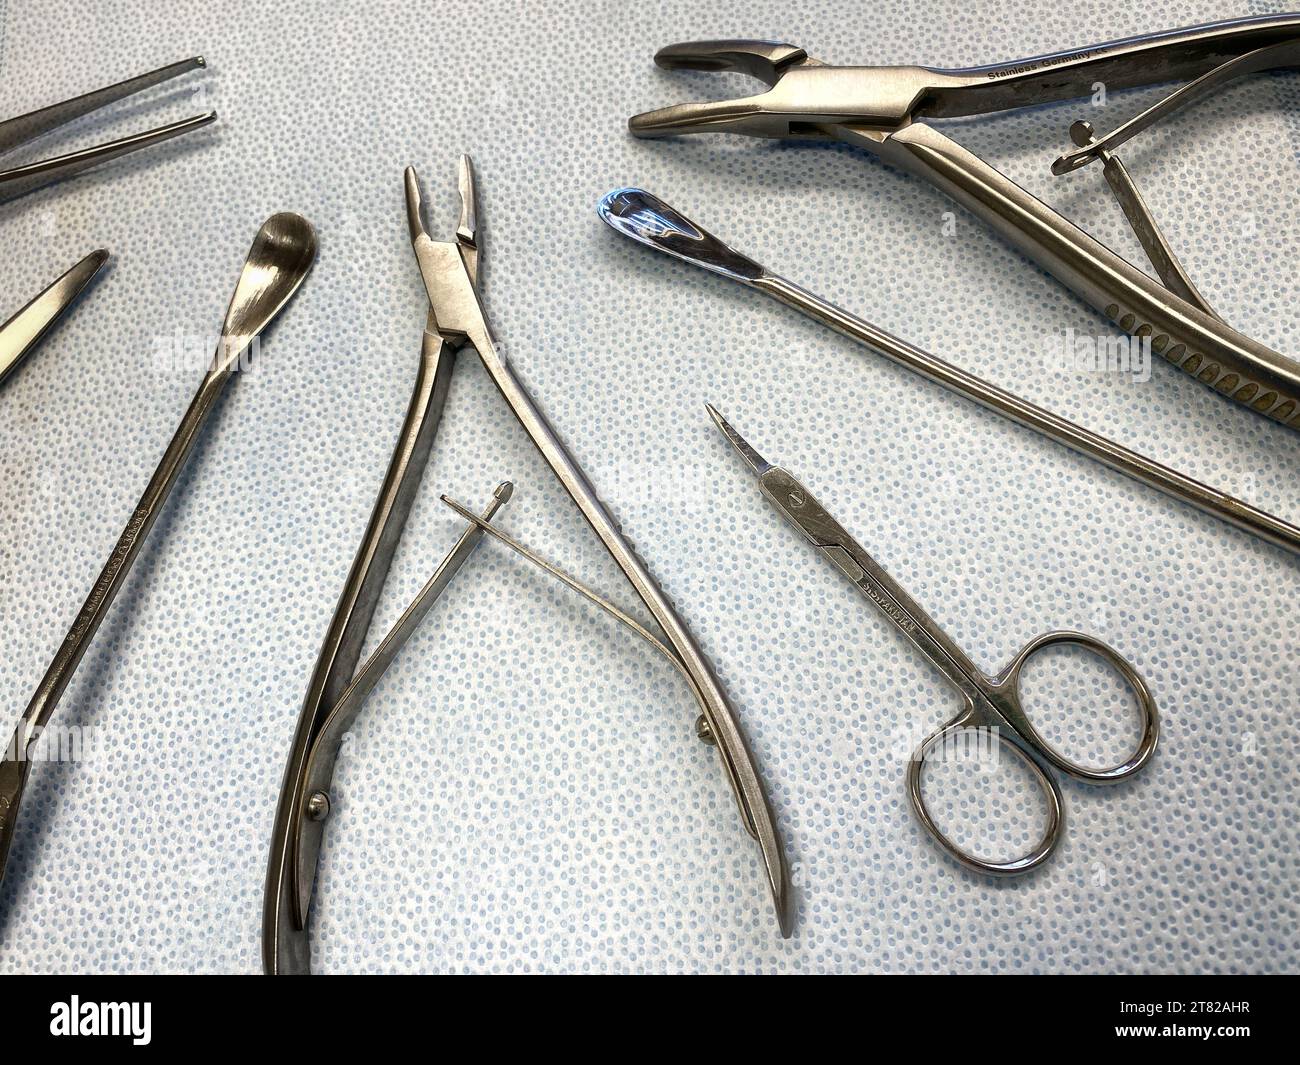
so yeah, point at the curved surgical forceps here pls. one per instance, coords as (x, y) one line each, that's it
(881, 108)
(992, 704)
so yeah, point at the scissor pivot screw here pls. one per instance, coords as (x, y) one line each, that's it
(705, 731)
(318, 806)
(797, 498)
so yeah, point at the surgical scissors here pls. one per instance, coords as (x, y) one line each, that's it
(991, 704)
(18, 131)
(21, 333)
(879, 108)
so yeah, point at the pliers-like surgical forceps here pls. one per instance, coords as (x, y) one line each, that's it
(882, 108)
(457, 319)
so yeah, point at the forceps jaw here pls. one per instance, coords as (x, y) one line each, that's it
(765, 60)
(807, 98)
(449, 268)
(20, 130)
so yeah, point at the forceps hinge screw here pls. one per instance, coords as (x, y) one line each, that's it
(318, 806)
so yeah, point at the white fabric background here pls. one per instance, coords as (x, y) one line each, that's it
(524, 791)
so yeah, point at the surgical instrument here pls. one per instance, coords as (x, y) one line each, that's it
(18, 131)
(334, 696)
(280, 258)
(27, 327)
(880, 108)
(286, 950)
(454, 319)
(648, 220)
(991, 704)
(462, 320)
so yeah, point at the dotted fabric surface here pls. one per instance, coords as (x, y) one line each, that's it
(524, 791)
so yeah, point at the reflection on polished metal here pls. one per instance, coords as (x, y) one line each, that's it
(24, 330)
(991, 704)
(448, 271)
(648, 220)
(280, 258)
(878, 108)
(18, 131)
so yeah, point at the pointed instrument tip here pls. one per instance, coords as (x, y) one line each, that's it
(467, 227)
(783, 900)
(414, 204)
(753, 459)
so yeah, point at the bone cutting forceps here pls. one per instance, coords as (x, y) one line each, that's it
(18, 131)
(880, 108)
(991, 703)
(24, 330)
(461, 319)
(455, 318)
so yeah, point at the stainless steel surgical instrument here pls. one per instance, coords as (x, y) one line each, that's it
(461, 320)
(648, 220)
(881, 108)
(455, 319)
(24, 330)
(335, 695)
(991, 704)
(279, 259)
(15, 132)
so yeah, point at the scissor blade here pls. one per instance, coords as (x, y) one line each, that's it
(23, 331)
(753, 459)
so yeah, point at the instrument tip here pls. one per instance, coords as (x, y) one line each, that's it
(755, 461)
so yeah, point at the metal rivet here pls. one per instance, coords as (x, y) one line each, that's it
(318, 806)
(704, 732)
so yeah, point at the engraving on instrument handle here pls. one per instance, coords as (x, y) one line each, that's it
(1043, 64)
(895, 615)
(114, 566)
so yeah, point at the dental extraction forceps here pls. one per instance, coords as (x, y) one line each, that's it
(992, 704)
(18, 131)
(21, 333)
(456, 319)
(880, 108)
